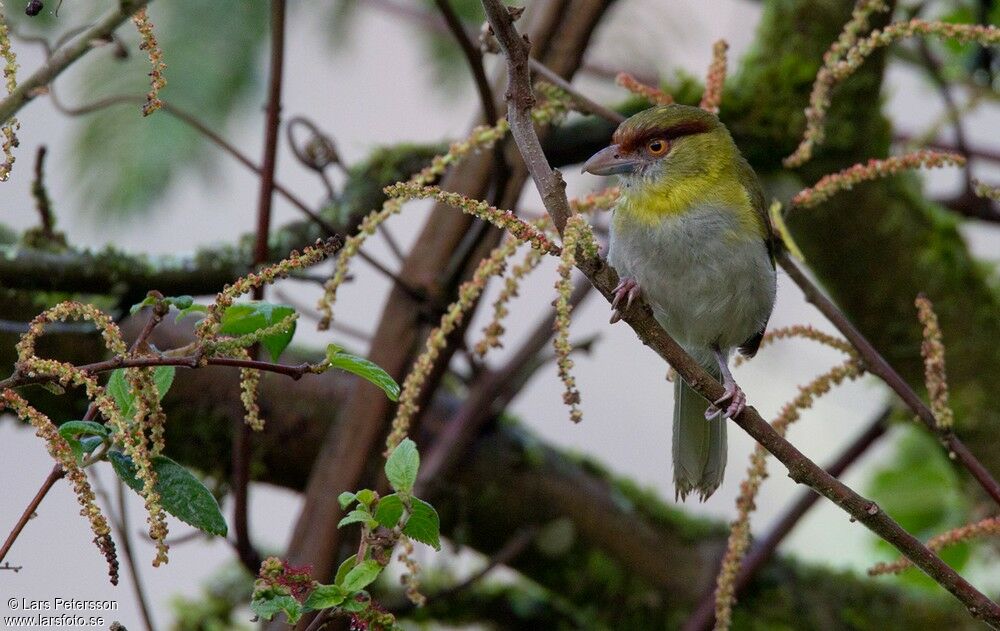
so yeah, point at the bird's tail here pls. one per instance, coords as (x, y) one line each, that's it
(699, 444)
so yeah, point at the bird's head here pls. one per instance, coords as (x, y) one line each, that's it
(667, 147)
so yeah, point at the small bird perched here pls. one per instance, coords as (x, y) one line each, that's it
(690, 233)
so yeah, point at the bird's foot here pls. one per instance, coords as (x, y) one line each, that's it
(627, 290)
(737, 402)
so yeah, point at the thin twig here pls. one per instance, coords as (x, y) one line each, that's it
(121, 524)
(507, 553)
(18, 380)
(242, 432)
(764, 549)
(65, 56)
(473, 58)
(191, 120)
(38, 191)
(581, 100)
(640, 318)
(54, 475)
(933, 68)
(492, 392)
(878, 366)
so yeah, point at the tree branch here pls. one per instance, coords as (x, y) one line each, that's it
(878, 366)
(801, 469)
(66, 55)
(764, 550)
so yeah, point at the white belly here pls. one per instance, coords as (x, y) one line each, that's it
(706, 285)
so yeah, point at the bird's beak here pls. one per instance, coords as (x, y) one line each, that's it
(609, 161)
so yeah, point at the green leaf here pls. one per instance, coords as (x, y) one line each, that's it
(83, 436)
(163, 378)
(389, 511)
(326, 596)
(149, 301)
(362, 575)
(76, 428)
(180, 302)
(424, 525)
(118, 387)
(246, 317)
(344, 568)
(183, 313)
(354, 604)
(267, 608)
(90, 443)
(402, 465)
(346, 499)
(181, 493)
(354, 517)
(366, 496)
(363, 368)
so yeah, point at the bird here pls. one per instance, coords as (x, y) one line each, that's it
(690, 234)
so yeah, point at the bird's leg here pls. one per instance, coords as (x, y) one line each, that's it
(627, 290)
(734, 394)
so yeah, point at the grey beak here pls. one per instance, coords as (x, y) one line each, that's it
(609, 161)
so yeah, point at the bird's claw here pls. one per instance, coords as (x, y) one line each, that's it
(627, 290)
(737, 403)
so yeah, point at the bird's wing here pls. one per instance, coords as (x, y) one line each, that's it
(759, 203)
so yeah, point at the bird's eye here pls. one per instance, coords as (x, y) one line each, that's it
(657, 147)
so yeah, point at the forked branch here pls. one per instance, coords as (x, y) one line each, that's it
(801, 469)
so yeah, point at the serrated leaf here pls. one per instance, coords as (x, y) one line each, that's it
(325, 596)
(181, 493)
(389, 510)
(361, 575)
(424, 524)
(402, 465)
(355, 517)
(246, 317)
(366, 369)
(163, 378)
(267, 608)
(346, 498)
(118, 389)
(344, 568)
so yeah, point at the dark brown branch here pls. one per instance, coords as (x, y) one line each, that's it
(242, 437)
(801, 469)
(66, 55)
(121, 525)
(18, 380)
(507, 553)
(191, 120)
(38, 191)
(54, 475)
(878, 366)
(491, 394)
(472, 57)
(933, 68)
(764, 550)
